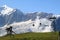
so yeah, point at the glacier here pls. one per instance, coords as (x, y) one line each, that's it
(27, 26)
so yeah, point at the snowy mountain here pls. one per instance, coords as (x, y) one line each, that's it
(40, 25)
(5, 10)
(9, 15)
(22, 23)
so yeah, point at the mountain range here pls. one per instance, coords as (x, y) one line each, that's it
(22, 23)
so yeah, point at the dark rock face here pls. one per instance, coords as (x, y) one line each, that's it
(57, 24)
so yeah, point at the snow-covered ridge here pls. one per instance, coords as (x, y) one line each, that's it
(56, 16)
(7, 10)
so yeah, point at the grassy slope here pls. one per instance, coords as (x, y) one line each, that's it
(32, 36)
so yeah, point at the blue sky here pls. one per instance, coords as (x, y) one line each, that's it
(49, 6)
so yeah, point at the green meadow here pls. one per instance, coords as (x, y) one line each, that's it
(32, 36)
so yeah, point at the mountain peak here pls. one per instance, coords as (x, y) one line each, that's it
(4, 6)
(6, 10)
